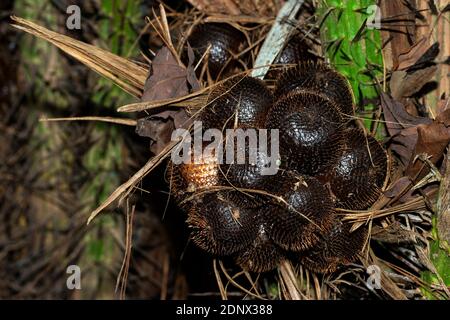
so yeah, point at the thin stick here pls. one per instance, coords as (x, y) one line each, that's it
(276, 37)
(237, 285)
(123, 273)
(222, 290)
(126, 122)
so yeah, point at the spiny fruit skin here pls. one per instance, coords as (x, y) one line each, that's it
(295, 51)
(262, 255)
(360, 172)
(337, 247)
(310, 131)
(225, 41)
(220, 226)
(244, 100)
(248, 173)
(305, 212)
(318, 78)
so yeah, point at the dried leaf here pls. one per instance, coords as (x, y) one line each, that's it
(443, 104)
(427, 59)
(409, 58)
(399, 25)
(405, 84)
(416, 67)
(125, 73)
(403, 144)
(412, 136)
(397, 118)
(167, 80)
(432, 140)
(401, 126)
(159, 127)
(399, 187)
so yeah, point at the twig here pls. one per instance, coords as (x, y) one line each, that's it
(127, 122)
(123, 273)
(276, 37)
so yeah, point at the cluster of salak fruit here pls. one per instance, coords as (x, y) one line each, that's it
(325, 162)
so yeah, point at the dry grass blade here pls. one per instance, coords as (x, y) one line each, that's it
(223, 292)
(127, 186)
(193, 100)
(163, 31)
(123, 273)
(317, 287)
(127, 74)
(126, 122)
(237, 285)
(362, 217)
(289, 280)
(254, 283)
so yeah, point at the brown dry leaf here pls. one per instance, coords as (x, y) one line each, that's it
(403, 144)
(167, 80)
(398, 29)
(412, 136)
(399, 188)
(427, 59)
(290, 280)
(387, 285)
(415, 68)
(405, 84)
(159, 127)
(397, 118)
(190, 70)
(409, 58)
(401, 126)
(432, 140)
